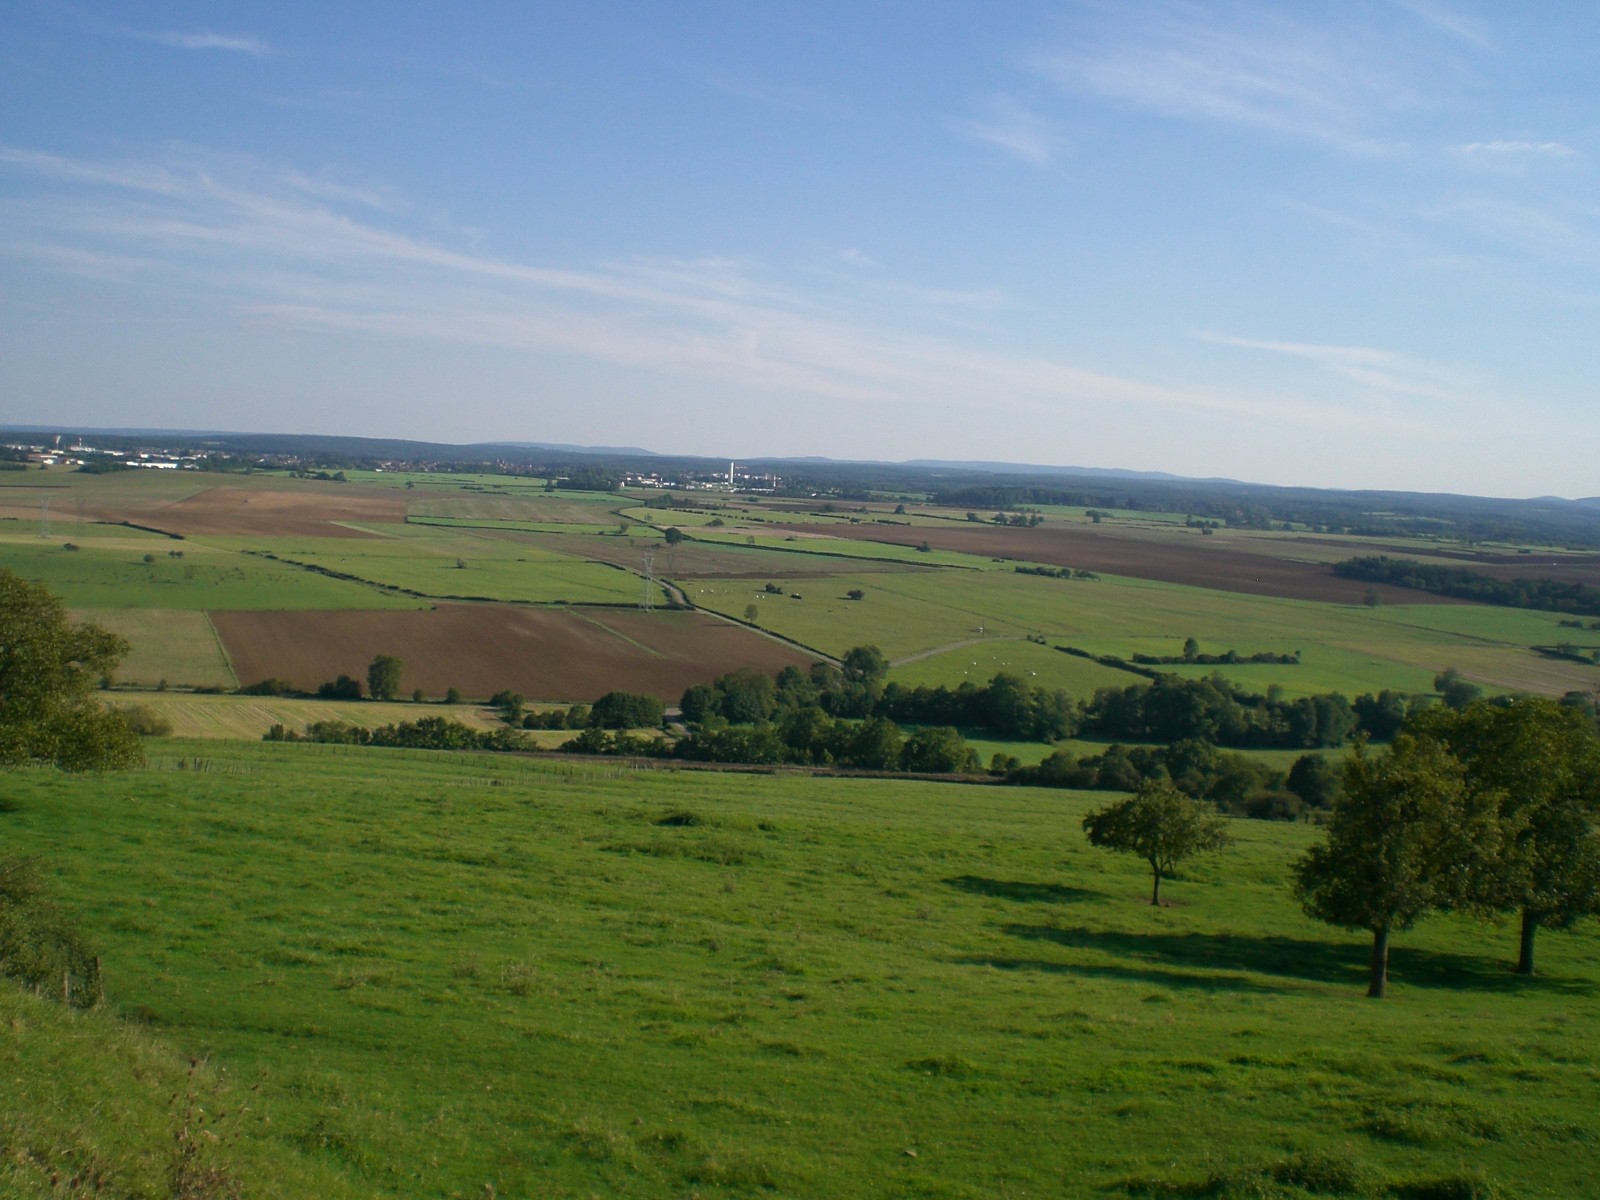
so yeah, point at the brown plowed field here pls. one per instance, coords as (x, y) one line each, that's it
(1188, 558)
(235, 512)
(572, 654)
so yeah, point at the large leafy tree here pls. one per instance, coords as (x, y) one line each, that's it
(48, 669)
(1407, 837)
(383, 677)
(1159, 824)
(1538, 763)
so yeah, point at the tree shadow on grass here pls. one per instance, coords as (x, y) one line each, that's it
(1021, 890)
(1166, 977)
(1321, 962)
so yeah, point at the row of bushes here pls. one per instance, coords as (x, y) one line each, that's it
(428, 733)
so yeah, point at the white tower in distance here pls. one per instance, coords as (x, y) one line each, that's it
(730, 472)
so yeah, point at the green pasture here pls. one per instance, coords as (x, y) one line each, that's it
(699, 557)
(982, 659)
(178, 646)
(111, 573)
(460, 975)
(1345, 648)
(446, 481)
(418, 523)
(453, 562)
(848, 549)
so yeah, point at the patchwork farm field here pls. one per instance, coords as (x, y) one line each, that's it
(254, 545)
(416, 974)
(570, 654)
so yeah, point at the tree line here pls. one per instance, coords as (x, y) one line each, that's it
(1463, 583)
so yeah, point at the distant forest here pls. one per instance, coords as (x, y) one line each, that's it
(1545, 595)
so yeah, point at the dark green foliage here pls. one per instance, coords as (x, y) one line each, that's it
(1455, 691)
(595, 740)
(1314, 779)
(38, 948)
(510, 705)
(575, 717)
(48, 670)
(1235, 783)
(1544, 595)
(1007, 706)
(699, 702)
(1537, 764)
(745, 696)
(626, 710)
(383, 677)
(269, 687)
(427, 733)
(1172, 708)
(734, 744)
(1381, 716)
(939, 750)
(1406, 838)
(589, 479)
(1159, 824)
(342, 688)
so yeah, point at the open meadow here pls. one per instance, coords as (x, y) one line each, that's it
(437, 974)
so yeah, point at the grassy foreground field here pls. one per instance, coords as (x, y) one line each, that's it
(452, 975)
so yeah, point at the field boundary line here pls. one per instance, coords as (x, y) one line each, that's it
(222, 649)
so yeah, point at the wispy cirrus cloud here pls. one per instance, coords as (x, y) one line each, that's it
(274, 251)
(1332, 77)
(1009, 126)
(205, 40)
(1519, 147)
(1467, 29)
(1381, 370)
(178, 39)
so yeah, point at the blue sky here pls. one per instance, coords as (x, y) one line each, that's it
(1336, 244)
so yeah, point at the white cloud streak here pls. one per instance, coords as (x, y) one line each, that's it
(1008, 126)
(1384, 371)
(208, 41)
(278, 252)
(1264, 67)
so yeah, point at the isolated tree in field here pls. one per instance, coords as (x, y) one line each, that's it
(1538, 763)
(1159, 824)
(674, 536)
(48, 668)
(1406, 838)
(383, 677)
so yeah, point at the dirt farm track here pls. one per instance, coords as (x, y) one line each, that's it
(572, 654)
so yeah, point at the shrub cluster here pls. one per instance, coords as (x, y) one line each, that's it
(428, 733)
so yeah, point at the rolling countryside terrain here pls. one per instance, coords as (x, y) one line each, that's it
(342, 970)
